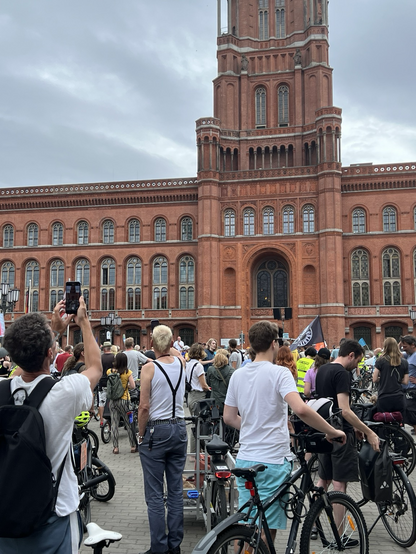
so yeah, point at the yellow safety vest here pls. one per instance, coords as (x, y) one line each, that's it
(303, 364)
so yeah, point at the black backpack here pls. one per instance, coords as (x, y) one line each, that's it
(28, 489)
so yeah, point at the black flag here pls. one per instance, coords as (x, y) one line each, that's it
(312, 334)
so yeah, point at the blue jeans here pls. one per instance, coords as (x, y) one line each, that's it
(167, 457)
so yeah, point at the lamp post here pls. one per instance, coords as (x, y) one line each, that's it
(413, 315)
(8, 298)
(110, 322)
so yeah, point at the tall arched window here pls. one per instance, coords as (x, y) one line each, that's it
(260, 107)
(160, 230)
(248, 222)
(360, 278)
(268, 221)
(308, 218)
(391, 277)
(280, 19)
(57, 234)
(186, 228)
(32, 283)
(160, 283)
(82, 232)
(187, 283)
(288, 220)
(134, 230)
(283, 105)
(8, 236)
(8, 273)
(358, 221)
(108, 232)
(32, 235)
(272, 285)
(133, 282)
(263, 19)
(82, 274)
(229, 223)
(108, 281)
(56, 282)
(389, 220)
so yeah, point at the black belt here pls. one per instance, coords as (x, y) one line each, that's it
(165, 421)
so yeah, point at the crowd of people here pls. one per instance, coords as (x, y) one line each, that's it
(253, 389)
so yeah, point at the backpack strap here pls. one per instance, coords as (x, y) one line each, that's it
(192, 372)
(38, 394)
(6, 392)
(174, 390)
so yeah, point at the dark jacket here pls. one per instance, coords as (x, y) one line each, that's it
(217, 384)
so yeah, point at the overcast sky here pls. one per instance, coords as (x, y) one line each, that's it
(103, 90)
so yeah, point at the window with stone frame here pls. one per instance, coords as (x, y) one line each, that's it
(283, 105)
(308, 219)
(268, 221)
(229, 223)
(260, 110)
(57, 234)
(82, 232)
(389, 220)
(280, 19)
(363, 333)
(134, 230)
(82, 274)
(32, 283)
(56, 283)
(263, 19)
(160, 230)
(160, 284)
(8, 236)
(33, 235)
(248, 222)
(358, 221)
(186, 228)
(272, 285)
(187, 283)
(108, 282)
(360, 278)
(8, 272)
(391, 277)
(108, 232)
(133, 284)
(288, 218)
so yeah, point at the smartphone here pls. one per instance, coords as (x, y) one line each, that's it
(72, 294)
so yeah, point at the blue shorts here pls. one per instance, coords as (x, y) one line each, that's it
(267, 483)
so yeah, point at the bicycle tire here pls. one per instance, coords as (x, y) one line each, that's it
(85, 511)
(400, 442)
(106, 432)
(355, 528)
(95, 442)
(103, 492)
(395, 514)
(226, 543)
(219, 503)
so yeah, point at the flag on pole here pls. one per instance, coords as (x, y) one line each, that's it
(362, 342)
(312, 334)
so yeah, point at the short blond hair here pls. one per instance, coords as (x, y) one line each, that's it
(129, 342)
(220, 360)
(223, 351)
(162, 338)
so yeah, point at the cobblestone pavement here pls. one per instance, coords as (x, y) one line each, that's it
(127, 514)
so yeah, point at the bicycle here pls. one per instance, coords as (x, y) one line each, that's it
(235, 537)
(131, 414)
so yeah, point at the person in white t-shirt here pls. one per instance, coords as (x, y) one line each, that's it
(179, 344)
(31, 343)
(134, 357)
(256, 403)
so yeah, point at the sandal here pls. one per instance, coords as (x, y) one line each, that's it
(115, 451)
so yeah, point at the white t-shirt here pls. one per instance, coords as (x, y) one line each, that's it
(198, 370)
(68, 398)
(134, 358)
(178, 345)
(235, 357)
(258, 390)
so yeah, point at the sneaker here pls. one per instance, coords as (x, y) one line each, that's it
(314, 533)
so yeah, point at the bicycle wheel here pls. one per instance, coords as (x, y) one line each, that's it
(95, 443)
(399, 515)
(95, 412)
(103, 492)
(237, 539)
(106, 432)
(219, 503)
(85, 510)
(400, 442)
(352, 529)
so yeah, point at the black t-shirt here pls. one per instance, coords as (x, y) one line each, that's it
(107, 360)
(331, 380)
(391, 376)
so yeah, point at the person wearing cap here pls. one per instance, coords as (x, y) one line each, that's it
(303, 364)
(310, 377)
(408, 344)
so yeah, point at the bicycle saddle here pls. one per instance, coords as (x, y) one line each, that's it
(248, 472)
(97, 535)
(217, 446)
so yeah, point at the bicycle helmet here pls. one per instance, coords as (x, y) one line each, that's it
(82, 419)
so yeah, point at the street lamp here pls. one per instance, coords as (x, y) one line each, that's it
(8, 297)
(110, 322)
(413, 315)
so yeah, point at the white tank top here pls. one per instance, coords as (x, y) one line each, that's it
(161, 394)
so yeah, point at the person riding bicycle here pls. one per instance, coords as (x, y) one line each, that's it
(256, 403)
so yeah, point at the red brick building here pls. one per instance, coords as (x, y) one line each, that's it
(272, 219)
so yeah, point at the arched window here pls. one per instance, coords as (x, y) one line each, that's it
(280, 19)
(248, 218)
(108, 281)
(133, 282)
(308, 218)
(160, 283)
(288, 220)
(268, 221)
(160, 230)
(358, 221)
(8, 273)
(391, 277)
(393, 331)
(363, 333)
(389, 220)
(187, 283)
(272, 285)
(261, 107)
(414, 219)
(360, 278)
(414, 271)
(263, 19)
(134, 230)
(283, 105)
(56, 283)
(82, 274)
(186, 228)
(229, 223)
(8, 236)
(32, 283)
(57, 234)
(32, 235)
(108, 232)
(82, 233)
